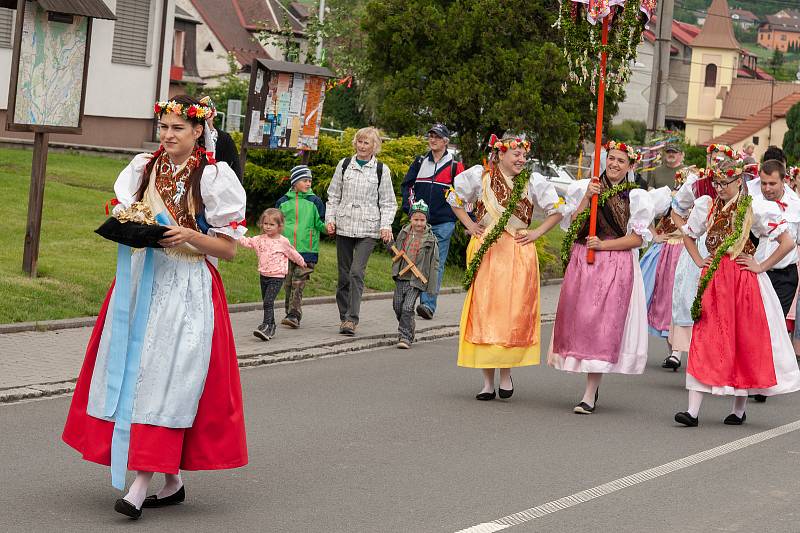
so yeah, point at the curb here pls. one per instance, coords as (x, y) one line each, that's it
(82, 322)
(284, 355)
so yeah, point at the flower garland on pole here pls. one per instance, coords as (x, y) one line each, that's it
(600, 54)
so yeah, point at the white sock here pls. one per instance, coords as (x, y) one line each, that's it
(695, 399)
(738, 405)
(138, 491)
(676, 354)
(172, 484)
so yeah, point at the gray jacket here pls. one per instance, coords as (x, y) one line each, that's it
(427, 261)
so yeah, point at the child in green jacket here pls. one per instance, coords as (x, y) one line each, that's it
(305, 219)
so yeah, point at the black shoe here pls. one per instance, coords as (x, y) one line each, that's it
(127, 508)
(424, 311)
(348, 328)
(733, 420)
(261, 332)
(485, 396)
(672, 363)
(506, 393)
(760, 398)
(686, 419)
(172, 499)
(583, 408)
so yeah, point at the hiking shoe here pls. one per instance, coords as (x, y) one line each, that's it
(291, 321)
(403, 344)
(348, 328)
(424, 311)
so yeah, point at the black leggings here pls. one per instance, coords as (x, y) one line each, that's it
(270, 287)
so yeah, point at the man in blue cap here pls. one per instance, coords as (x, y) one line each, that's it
(428, 178)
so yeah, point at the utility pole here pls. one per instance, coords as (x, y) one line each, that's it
(319, 34)
(771, 114)
(659, 81)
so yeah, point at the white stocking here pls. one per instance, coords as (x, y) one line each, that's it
(738, 405)
(172, 484)
(138, 491)
(695, 399)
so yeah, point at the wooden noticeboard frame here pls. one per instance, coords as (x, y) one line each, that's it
(11, 124)
(263, 76)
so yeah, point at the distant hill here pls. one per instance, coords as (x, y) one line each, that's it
(687, 10)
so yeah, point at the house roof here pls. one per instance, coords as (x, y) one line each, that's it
(683, 32)
(745, 15)
(270, 15)
(183, 15)
(88, 8)
(748, 96)
(758, 121)
(224, 19)
(717, 30)
(783, 23)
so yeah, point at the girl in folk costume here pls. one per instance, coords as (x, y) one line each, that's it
(601, 318)
(159, 390)
(687, 275)
(658, 264)
(500, 320)
(724, 357)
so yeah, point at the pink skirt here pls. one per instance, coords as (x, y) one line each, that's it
(659, 313)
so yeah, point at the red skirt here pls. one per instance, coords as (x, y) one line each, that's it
(730, 342)
(215, 441)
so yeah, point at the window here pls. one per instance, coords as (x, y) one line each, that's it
(755, 140)
(711, 75)
(6, 27)
(783, 36)
(177, 48)
(209, 48)
(131, 32)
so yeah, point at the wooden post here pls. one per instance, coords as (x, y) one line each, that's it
(598, 136)
(30, 256)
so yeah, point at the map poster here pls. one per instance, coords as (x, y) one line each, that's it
(287, 98)
(48, 88)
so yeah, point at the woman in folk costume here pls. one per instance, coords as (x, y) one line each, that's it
(601, 324)
(739, 341)
(658, 264)
(159, 390)
(500, 320)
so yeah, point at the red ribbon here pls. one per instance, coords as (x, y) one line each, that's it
(113, 202)
(782, 205)
(235, 224)
(774, 226)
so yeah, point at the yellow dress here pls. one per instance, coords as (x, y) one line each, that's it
(500, 326)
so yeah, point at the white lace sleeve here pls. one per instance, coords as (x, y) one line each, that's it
(129, 180)
(697, 224)
(768, 220)
(684, 198)
(575, 193)
(642, 214)
(467, 187)
(544, 195)
(662, 200)
(224, 200)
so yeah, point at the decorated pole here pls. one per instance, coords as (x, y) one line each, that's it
(598, 135)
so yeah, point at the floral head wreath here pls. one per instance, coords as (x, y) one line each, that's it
(682, 174)
(724, 148)
(633, 154)
(194, 112)
(503, 145)
(793, 173)
(735, 171)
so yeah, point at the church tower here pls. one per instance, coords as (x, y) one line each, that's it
(715, 61)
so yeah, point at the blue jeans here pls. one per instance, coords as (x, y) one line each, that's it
(443, 233)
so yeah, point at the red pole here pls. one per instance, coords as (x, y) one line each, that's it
(598, 136)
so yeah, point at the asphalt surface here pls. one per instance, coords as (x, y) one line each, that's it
(393, 441)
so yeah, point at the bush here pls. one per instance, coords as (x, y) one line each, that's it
(695, 155)
(629, 131)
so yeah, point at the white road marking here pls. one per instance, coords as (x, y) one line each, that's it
(628, 481)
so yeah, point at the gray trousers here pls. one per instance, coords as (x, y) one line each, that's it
(405, 298)
(352, 255)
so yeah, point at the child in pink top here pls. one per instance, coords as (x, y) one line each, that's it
(273, 251)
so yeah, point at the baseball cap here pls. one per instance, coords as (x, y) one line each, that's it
(440, 130)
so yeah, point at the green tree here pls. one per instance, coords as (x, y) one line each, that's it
(480, 66)
(791, 140)
(776, 61)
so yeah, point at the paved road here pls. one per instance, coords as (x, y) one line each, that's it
(393, 441)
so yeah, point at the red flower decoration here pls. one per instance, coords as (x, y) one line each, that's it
(113, 202)
(157, 109)
(504, 148)
(192, 112)
(210, 158)
(730, 172)
(235, 224)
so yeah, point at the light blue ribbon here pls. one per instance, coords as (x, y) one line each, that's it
(125, 352)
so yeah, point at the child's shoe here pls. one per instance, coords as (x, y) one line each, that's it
(264, 332)
(291, 321)
(403, 344)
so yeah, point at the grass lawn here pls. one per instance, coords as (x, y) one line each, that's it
(787, 72)
(76, 266)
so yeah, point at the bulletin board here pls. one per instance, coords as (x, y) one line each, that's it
(284, 105)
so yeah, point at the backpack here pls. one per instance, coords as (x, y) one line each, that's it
(346, 163)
